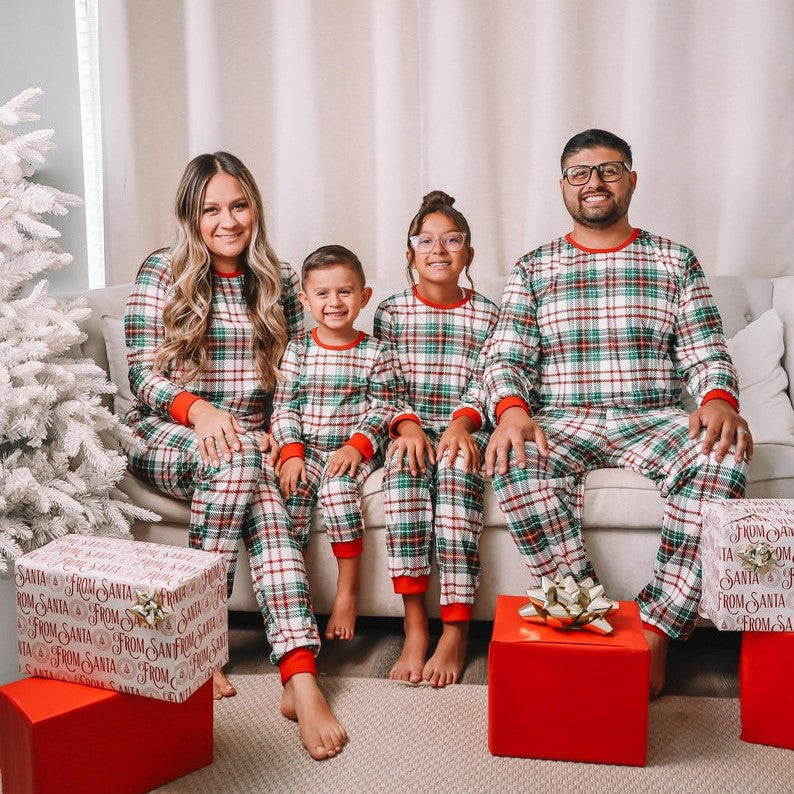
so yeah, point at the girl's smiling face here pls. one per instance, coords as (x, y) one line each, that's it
(440, 266)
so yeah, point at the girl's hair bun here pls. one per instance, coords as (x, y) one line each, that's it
(437, 197)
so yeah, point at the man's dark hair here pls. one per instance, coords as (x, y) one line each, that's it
(589, 139)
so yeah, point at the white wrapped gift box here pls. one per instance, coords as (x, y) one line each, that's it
(747, 549)
(140, 618)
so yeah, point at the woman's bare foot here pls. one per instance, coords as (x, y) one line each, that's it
(342, 622)
(320, 732)
(412, 659)
(221, 686)
(657, 645)
(446, 664)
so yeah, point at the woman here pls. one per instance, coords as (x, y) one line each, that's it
(206, 324)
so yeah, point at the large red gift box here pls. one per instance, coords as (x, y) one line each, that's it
(65, 738)
(568, 695)
(766, 691)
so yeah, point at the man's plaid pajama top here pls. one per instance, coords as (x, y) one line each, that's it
(594, 343)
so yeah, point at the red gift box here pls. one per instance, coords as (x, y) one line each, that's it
(568, 695)
(56, 736)
(765, 689)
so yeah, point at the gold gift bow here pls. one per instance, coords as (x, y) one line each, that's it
(148, 609)
(757, 557)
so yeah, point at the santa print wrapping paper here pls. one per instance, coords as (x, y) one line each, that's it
(85, 605)
(747, 551)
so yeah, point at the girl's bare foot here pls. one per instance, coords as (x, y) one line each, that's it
(320, 732)
(342, 622)
(221, 686)
(657, 645)
(412, 659)
(446, 664)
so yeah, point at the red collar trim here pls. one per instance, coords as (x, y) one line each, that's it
(467, 294)
(620, 247)
(359, 339)
(236, 274)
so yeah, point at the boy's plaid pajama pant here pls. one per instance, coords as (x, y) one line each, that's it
(543, 502)
(446, 501)
(236, 499)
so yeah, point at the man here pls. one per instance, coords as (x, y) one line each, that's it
(595, 331)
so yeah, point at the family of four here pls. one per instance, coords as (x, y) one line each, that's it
(255, 421)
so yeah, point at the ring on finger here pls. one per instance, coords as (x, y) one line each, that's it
(207, 438)
(741, 431)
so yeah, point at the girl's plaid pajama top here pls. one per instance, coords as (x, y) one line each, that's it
(595, 344)
(436, 348)
(331, 396)
(238, 498)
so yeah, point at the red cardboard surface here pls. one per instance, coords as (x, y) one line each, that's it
(56, 736)
(568, 695)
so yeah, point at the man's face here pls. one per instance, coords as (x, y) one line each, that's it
(598, 204)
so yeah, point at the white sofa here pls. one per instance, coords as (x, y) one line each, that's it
(623, 510)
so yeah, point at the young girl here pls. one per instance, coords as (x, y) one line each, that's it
(432, 483)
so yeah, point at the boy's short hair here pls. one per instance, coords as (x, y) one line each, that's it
(327, 255)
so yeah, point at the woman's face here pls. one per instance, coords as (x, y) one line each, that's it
(226, 222)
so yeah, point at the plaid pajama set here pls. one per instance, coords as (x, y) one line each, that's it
(332, 396)
(436, 348)
(236, 499)
(594, 343)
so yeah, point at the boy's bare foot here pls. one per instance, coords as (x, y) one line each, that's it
(320, 732)
(342, 622)
(657, 645)
(221, 686)
(412, 659)
(446, 664)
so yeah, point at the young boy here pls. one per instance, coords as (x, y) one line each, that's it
(331, 416)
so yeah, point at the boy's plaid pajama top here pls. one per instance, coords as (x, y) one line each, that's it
(236, 499)
(331, 396)
(437, 349)
(594, 344)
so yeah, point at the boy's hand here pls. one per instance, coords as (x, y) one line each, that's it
(345, 459)
(411, 448)
(292, 472)
(457, 439)
(268, 446)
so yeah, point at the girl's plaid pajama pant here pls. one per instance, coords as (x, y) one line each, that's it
(543, 502)
(236, 499)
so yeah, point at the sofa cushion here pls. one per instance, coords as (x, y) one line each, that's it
(113, 331)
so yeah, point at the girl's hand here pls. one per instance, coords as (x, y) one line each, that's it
(411, 448)
(268, 446)
(291, 472)
(457, 439)
(217, 432)
(345, 459)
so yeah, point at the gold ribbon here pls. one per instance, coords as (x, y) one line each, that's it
(148, 609)
(757, 557)
(566, 604)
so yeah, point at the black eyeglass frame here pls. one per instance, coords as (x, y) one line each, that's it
(600, 168)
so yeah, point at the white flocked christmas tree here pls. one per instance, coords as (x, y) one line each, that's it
(59, 445)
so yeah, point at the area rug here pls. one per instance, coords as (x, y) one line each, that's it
(415, 739)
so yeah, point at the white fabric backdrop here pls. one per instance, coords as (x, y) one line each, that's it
(347, 111)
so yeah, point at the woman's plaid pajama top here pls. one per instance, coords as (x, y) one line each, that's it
(236, 499)
(436, 348)
(594, 344)
(331, 396)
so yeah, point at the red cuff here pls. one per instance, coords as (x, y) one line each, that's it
(360, 442)
(298, 660)
(402, 418)
(181, 405)
(410, 585)
(720, 394)
(292, 450)
(348, 549)
(509, 402)
(456, 613)
(469, 413)
(655, 630)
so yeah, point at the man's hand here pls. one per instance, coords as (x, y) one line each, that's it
(291, 472)
(412, 444)
(723, 427)
(345, 459)
(515, 427)
(457, 439)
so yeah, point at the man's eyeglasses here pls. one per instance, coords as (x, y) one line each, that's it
(424, 243)
(580, 174)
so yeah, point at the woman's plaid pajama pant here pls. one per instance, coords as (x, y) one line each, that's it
(543, 502)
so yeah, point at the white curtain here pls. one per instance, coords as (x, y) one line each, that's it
(347, 111)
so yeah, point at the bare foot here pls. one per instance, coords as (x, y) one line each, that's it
(412, 659)
(446, 664)
(342, 622)
(658, 648)
(221, 686)
(320, 732)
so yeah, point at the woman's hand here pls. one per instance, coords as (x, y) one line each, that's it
(411, 448)
(457, 439)
(217, 432)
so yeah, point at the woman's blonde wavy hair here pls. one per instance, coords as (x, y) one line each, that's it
(187, 315)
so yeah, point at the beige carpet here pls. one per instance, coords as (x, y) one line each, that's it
(405, 739)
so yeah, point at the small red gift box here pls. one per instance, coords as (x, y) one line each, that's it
(56, 736)
(568, 695)
(765, 689)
